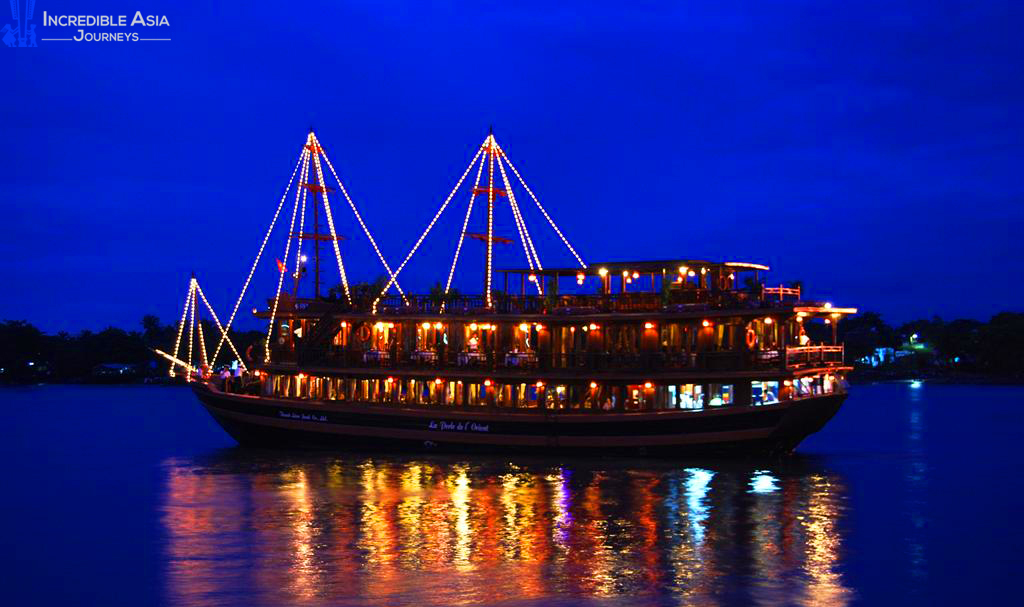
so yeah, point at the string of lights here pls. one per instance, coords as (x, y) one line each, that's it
(302, 228)
(541, 207)
(281, 273)
(181, 324)
(259, 254)
(359, 218)
(519, 225)
(465, 225)
(524, 233)
(202, 340)
(519, 212)
(330, 223)
(490, 213)
(223, 332)
(415, 246)
(191, 319)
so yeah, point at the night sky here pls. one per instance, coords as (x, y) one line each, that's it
(871, 150)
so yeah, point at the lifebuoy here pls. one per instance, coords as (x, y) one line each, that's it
(751, 338)
(363, 333)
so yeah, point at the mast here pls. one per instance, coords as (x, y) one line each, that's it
(490, 215)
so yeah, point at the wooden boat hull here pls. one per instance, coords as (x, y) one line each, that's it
(289, 423)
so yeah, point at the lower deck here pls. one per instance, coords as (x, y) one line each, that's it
(296, 422)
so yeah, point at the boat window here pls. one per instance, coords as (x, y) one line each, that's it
(720, 395)
(764, 392)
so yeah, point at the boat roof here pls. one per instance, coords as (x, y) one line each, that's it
(641, 266)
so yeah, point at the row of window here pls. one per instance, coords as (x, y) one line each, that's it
(592, 396)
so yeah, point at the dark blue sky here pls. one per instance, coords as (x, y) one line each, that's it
(872, 150)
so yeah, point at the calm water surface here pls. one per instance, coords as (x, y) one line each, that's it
(132, 495)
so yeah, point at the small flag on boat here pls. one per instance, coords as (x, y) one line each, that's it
(281, 267)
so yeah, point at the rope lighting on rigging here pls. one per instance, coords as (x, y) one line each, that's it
(541, 207)
(465, 225)
(491, 153)
(355, 211)
(282, 270)
(259, 254)
(444, 205)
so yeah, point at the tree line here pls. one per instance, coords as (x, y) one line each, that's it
(27, 354)
(994, 347)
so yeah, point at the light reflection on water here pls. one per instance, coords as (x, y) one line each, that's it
(255, 528)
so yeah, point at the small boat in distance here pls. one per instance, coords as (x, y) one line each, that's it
(664, 358)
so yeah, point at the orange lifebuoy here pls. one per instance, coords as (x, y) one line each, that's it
(363, 333)
(751, 338)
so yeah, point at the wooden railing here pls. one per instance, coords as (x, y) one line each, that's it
(804, 356)
(782, 292)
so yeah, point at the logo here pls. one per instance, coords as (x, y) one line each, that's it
(21, 33)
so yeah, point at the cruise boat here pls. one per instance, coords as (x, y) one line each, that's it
(668, 358)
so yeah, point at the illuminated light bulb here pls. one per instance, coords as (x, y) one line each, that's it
(584, 327)
(593, 385)
(524, 327)
(343, 324)
(691, 273)
(625, 273)
(532, 278)
(828, 321)
(636, 275)
(438, 382)
(703, 271)
(787, 383)
(254, 311)
(799, 318)
(487, 383)
(827, 305)
(648, 325)
(603, 272)
(593, 327)
(768, 320)
(683, 269)
(732, 275)
(472, 326)
(390, 380)
(302, 258)
(438, 326)
(540, 384)
(301, 376)
(425, 325)
(539, 326)
(706, 323)
(648, 385)
(580, 276)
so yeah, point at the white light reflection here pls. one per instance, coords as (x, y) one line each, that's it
(763, 482)
(698, 483)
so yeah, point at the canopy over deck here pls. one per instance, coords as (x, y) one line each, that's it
(643, 267)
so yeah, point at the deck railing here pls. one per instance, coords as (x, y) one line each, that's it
(575, 304)
(805, 356)
(453, 361)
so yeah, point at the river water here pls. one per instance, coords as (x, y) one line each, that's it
(132, 495)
